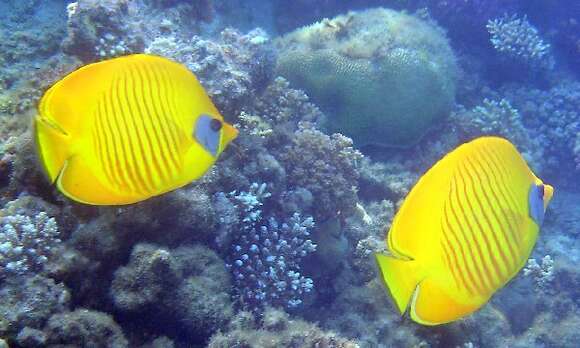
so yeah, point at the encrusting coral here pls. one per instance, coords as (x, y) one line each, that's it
(187, 287)
(327, 166)
(276, 329)
(84, 328)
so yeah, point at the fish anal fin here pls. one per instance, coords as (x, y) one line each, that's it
(400, 276)
(433, 304)
(77, 181)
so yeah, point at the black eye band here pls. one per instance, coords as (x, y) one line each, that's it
(541, 190)
(215, 125)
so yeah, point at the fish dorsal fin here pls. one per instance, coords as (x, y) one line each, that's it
(413, 229)
(70, 101)
(64, 112)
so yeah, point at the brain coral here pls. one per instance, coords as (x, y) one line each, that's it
(384, 77)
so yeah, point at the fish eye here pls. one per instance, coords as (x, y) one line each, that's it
(215, 124)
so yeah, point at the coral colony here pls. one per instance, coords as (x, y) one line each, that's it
(266, 255)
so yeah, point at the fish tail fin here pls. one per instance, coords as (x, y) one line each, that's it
(401, 278)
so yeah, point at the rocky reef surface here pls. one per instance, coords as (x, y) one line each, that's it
(274, 246)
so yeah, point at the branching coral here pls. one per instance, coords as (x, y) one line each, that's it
(542, 273)
(553, 118)
(519, 39)
(26, 243)
(265, 256)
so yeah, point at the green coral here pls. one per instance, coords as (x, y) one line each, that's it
(383, 77)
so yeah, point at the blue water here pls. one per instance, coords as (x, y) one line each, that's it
(341, 107)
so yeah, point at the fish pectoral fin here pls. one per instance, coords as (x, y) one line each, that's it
(77, 179)
(52, 125)
(401, 277)
(432, 305)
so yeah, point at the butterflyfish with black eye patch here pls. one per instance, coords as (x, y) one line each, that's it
(127, 129)
(465, 229)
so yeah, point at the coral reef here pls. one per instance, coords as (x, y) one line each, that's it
(326, 166)
(26, 243)
(543, 273)
(500, 118)
(347, 67)
(276, 329)
(185, 288)
(99, 30)
(84, 328)
(465, 20)
(552, 117)
(281, 233)
(266, 255)
(29, 302)
(230, 79)
(519, 39)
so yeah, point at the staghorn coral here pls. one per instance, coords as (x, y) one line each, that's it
(326, 166)
(384, 77)
(519, 39)
(276, 329)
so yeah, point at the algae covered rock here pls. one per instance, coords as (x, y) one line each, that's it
(382, 76)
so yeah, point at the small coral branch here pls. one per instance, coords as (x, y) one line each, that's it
(519, 39)
(26, 243)
(266, 255)
(543, 274)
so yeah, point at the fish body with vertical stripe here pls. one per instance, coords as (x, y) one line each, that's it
(126, 129)
(466, 228)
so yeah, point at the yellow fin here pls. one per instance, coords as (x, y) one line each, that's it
(89, 190)
(51, 137)
(63, 110)
(431, 305)
(400, 277)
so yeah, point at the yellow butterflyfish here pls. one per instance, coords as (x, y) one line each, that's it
(465, 229)
(126, 129)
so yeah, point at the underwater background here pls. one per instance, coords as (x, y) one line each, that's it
(341, 107)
